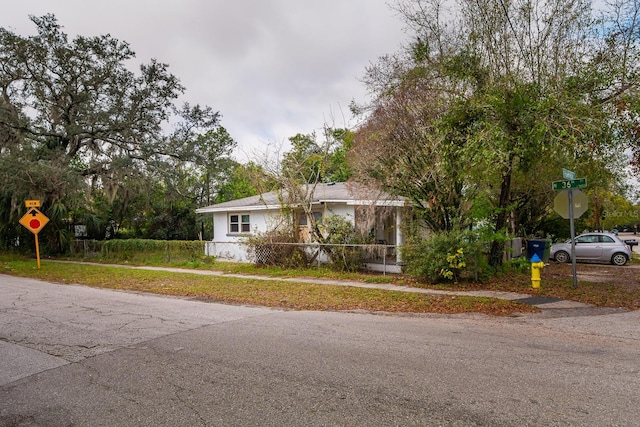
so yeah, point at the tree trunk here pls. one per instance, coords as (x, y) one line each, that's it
(502, 216)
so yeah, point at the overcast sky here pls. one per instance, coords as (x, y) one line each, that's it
(273, 68)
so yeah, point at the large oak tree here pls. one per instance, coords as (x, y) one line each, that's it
(87, 134)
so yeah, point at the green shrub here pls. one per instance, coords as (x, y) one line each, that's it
(518, 265)
(445, 257)
(340, 231)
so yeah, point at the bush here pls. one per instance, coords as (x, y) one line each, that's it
(279, 248)
(445, 257)
(340, 231)
(518, 265)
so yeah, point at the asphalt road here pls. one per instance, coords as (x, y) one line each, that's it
(78, 356)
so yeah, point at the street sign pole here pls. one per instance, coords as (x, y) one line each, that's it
(37, 250)
(573, 240)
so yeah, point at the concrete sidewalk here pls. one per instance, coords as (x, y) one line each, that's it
(544, 303)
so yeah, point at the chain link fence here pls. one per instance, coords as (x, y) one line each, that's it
(375, 257)
(138, 250)
(89, 249)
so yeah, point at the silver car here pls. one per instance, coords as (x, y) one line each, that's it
(594, 247)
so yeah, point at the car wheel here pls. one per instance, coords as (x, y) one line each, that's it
(562, 256)
(619, 259)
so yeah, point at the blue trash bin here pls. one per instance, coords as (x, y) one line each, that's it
(537, 247)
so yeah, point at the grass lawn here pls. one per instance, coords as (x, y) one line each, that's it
(600, 285)
(250, 291)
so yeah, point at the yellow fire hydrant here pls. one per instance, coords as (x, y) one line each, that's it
(536, 268)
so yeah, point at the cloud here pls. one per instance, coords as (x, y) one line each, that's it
(273, 68)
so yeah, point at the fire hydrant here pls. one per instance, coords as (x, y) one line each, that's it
(536, 268)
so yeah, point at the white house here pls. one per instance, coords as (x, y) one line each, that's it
(373, 212)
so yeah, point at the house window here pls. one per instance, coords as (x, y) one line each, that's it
(239, 223)
(302, 219)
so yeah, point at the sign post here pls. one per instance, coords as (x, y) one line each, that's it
(34, 221)
(573, 240)
(570, 183)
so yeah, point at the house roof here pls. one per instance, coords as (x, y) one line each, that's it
(339, 192)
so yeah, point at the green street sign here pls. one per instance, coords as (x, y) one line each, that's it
(567, 174)
(569, 184)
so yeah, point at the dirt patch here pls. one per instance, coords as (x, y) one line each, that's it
(626, 277)
(598, 284)
(601, 285)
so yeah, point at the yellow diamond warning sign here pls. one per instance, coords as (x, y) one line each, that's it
(34, 220)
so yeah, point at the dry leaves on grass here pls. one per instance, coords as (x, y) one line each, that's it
(288, 295)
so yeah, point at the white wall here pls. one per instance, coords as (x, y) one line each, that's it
(221, 225)
(262, 221)
(230, 247)
(227, 251)
(340, 209)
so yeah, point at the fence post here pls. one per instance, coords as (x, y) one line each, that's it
(384, 261)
